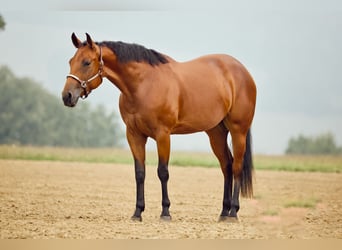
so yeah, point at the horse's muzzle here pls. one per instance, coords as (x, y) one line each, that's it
(69, 99)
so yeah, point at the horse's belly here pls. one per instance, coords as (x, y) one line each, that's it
(184, 129)
(198, 122)
(202, 111)
(193, 128)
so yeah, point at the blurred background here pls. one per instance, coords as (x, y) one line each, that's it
(293, 49)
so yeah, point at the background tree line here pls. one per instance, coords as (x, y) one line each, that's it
(2, 23)
(30, 115)
(323, 144)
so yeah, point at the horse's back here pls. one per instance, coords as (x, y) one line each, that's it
(220, 69)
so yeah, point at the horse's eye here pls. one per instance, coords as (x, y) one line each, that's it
(86, 63)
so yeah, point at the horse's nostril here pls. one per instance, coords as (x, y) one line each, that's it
(67, 98)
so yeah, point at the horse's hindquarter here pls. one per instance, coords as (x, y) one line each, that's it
(206, 93)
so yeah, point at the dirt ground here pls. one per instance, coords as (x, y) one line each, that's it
(82, 200)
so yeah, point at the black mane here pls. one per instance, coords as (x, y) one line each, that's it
(126, 52)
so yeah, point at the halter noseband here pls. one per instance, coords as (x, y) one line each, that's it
(84, 83)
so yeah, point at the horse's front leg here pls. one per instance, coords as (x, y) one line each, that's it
(137, 144)
(163, 144)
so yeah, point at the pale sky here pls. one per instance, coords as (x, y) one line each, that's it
(293, 49)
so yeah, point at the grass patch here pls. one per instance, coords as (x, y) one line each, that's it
(102, 155)
(193, 159)
(257, 196)
(327, 164)
(105, 155)
(303, 203)
(201, 159)
(270, 212)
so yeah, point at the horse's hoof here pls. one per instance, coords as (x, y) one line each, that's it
(223, 218)
(229, 219)
(232, 219)
(165, 218)
(136, 218)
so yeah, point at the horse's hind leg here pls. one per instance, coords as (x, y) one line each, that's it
(163, 145)
(218, 141)
(242, 167)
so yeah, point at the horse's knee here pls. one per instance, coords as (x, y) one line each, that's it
(140, 176)
(163, 173)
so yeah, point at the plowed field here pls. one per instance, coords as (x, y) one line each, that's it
(41, 200)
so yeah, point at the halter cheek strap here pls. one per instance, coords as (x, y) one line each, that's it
(84, 83)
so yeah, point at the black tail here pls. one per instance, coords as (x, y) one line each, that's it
(247, 169)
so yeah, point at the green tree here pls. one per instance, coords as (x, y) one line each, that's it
(2, 23)
(321, 144)
(31, 115)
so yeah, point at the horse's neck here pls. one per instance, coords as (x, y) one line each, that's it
(126, 77)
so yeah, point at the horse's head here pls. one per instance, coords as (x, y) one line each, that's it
(86, 68)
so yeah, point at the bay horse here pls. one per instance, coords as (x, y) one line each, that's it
(160, 96)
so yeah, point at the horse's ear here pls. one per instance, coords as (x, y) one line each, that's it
(77, 43)
(90, 41)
